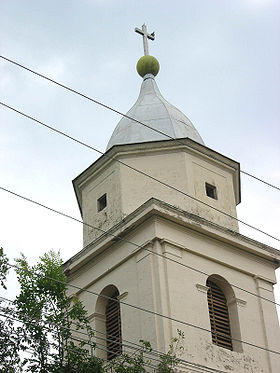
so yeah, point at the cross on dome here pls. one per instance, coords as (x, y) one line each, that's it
(161, 120)
(146, 36)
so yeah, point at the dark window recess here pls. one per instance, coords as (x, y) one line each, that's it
(113, 327)
(219, 317)
(211, 191)
(102, 202)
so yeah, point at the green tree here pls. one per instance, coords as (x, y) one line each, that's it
(46, 321)
(170, 360)
(132, 363)
(52, 325)
(10, 343)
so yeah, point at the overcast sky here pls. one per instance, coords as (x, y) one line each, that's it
(219, 65)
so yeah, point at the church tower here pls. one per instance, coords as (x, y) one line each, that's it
(162, 250)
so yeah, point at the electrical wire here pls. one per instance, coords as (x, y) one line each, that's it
(32, 350)
(258, 179)
(181, 361)
(198, 201)
(149, 311)
(107, 337)
(101, 346)
(132, 345)
(140, 172)
(94, 344)
(148, 353)
(84, 144)
(116, 111)
(135, 244)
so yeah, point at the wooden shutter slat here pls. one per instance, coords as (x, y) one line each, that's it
(219, 317)
(113, 327)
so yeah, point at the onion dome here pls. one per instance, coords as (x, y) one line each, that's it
(162, 121)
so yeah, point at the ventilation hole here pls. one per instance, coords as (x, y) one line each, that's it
(211, 191)
(102, 202)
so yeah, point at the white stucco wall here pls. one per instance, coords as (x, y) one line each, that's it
(183, 230)
(156, 284)
(183, 168)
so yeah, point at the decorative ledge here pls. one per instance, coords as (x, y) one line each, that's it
(171, 249)
(123, 295)
(142, 254)
(239, 302)
(96, 315)
(202, 288)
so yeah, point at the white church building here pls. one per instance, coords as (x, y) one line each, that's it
(162, 249)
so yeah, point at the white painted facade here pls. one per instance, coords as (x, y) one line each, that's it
(186, 166)
(154, 234)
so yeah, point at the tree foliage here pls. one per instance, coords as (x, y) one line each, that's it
(51, 325)
(9, 341)
(45, 330)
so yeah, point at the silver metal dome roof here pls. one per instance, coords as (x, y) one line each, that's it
(155, 112)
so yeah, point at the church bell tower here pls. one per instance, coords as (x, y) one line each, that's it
(162, 249)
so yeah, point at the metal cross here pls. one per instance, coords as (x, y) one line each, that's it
(146, 36)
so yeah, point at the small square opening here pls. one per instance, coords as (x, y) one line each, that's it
(102, 202)
(211, 191)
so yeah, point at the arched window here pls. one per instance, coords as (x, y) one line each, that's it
(219, 316)
(113, 326)
(107, 323)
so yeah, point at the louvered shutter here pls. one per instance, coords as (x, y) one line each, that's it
(219, 317)
(113, 327)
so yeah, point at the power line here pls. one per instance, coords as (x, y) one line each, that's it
(87, 342)
(117, 112)
(92, 344)
(131, 242)
(154, 352)
(49, 330)
(149, 311)
(34, 322)
(138, 171)
(131, 344)
(137, 348)
(262, 181)
(198, 201)
(107, 336)
(88, 146)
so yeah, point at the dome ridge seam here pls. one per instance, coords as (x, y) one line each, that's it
(162, 100)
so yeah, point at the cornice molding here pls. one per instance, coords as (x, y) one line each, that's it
(154, 208)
